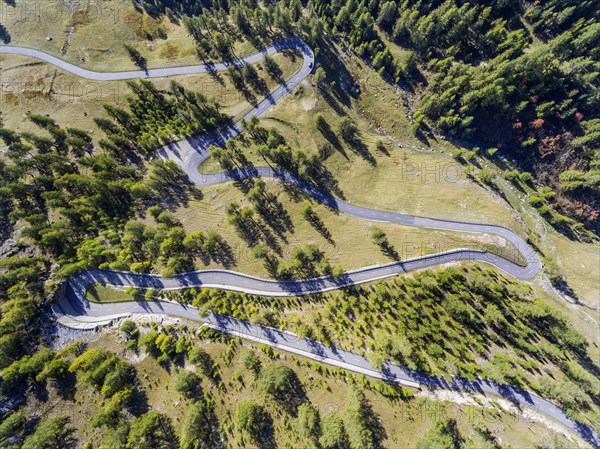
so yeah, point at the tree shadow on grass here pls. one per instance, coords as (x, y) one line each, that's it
(223, 254)
(4, 35)
(66, 387)
(172, 186)
(332, 138)
(266, 437)
(332, 62)
(389, 250)
(319, 226)
(326, 181)
(374, 424)
(274, 214)
(331, 100)
(359, 147)
(275, 73)
(138, 405)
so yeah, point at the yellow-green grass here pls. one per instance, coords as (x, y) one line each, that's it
(580, 263)
(536, 42)
(428, 184)
(404, 422)
(382, 106)
(412, 180)
(293, 312)
(423, 183)
(99, 30)
(103, 294)
(30, 85)
(409, 176)
(351, 244)
(395, 50)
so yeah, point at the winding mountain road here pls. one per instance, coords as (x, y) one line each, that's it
(73, 305)
(190, 153)
(73, 309)
(150, 73)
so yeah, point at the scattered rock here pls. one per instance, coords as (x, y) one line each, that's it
(8, 248)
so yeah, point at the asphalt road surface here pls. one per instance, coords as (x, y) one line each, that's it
(74, 309)
(73, 305)
(190, 153)
(150, 73)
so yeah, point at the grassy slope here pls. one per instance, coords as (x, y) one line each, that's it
(405, 179)
(350, 244)
(408, 180)
(582, 319)
(100, 29)
(98, 293)
(393, 194)
(415, 179)
(404, 421)
(38, 87)
(395, 181)
(353, 320)
(580, 262)
(354, 329)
